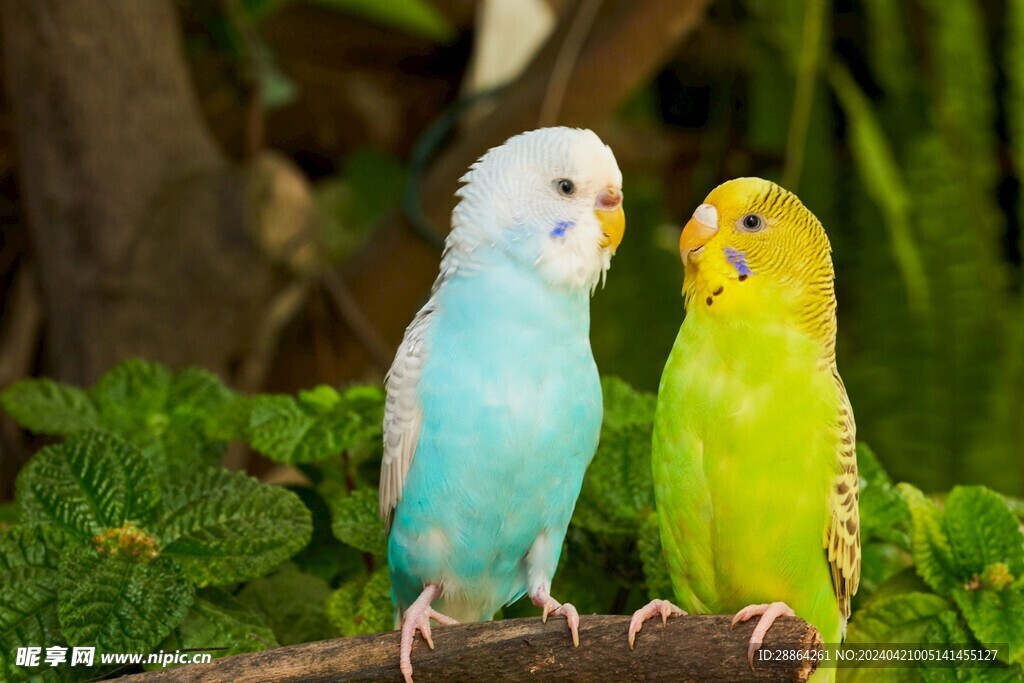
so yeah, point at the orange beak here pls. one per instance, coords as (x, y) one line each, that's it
(611, 217)
(701, 227)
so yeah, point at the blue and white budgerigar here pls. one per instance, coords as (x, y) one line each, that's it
(493, 401)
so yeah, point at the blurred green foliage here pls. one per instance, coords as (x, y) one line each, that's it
(911, 157)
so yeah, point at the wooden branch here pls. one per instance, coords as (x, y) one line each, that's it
(692, 648)
(627, 42)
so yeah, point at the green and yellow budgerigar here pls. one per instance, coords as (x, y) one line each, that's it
(754, 462)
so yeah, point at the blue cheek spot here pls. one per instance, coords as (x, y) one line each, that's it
(561, 227)
(739, 261)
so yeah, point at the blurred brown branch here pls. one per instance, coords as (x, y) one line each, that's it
(627, 42)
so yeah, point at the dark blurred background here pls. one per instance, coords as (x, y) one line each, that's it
(260, 186)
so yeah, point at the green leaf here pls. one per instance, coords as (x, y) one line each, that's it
(618, 491)
(357, 522)
(315, 429)
(946, 631)
(325, 556)
(29, 558)
(228, 527)
(195, 394)
(982, 531)
(47, 407)
(220, 622)
(903, 618)
(659, 584)
(624, 405)
(363, 605)
(118, 605)
(322, 398)
(933, 556)
(230, 421)
(883, 511)
(995, 616)
(164, 414)
(92, 482)
(132, 396)
(413, 16)
(292, 603)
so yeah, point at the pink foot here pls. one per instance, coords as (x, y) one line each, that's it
(768, 613)
(417, 618)
(663, 607)
(541, 598)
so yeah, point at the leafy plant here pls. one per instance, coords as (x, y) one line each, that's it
(101, 558)
(966, 584)
(128, 537)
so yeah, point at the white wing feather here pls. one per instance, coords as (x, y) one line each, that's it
(403, 415)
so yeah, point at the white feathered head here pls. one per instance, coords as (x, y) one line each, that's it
(550, 198)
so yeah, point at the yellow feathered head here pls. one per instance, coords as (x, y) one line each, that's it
(753, 246)
(752, 235)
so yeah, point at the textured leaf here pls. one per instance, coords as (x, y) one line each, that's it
(357, 522)
(48, 407)
(132, 396)
(28, 595)
(315, 428)
(219, 621)
(292, 603)
(90, 483)
(618, 491)
(903, 618)
(624, 405)
(164, 414)
(196, 394)
(659, 584)
(995, 616)
(230, 421)
(363, 605)
(982, 531)
(118, 605)
(933, 556)
(883, 511)
(947, 630)
(228, 527)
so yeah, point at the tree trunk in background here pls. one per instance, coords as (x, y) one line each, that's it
(135, 215)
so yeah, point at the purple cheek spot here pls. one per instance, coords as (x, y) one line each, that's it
(561, 227)
(739, 261)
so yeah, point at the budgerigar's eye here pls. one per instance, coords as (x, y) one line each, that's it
(566, 188)
(752, 222)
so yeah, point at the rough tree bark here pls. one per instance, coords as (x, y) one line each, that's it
(694, 648)
(135, 215)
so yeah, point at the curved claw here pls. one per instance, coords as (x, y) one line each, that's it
(417, 618)
(663, 607)
(768, 613)
(553, 608)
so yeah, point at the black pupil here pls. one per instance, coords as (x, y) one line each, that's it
(566, 186)
(751, 221)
